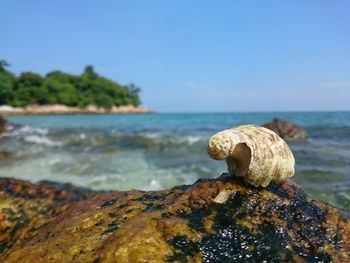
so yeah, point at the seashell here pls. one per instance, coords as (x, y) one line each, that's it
(255, 153)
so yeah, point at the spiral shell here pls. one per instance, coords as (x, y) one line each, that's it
(255, 153)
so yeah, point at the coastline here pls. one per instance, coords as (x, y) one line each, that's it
(58, 109)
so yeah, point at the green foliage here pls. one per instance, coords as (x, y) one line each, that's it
(3, 65)
(133, 94)
(89, 72)
(27, 89)
(30, 79)
(60, 92)
(7, 81)
(61, 88)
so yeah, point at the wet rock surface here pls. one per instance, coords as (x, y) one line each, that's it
(218, 220)
(26, 207)
(286, 130)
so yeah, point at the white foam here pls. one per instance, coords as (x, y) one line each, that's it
(151, 135)
(25, 130)
(193, 139)
(29, 129)
(41, 140)
(154, 184)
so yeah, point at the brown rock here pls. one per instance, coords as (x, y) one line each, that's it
(286, 130)
(220, 220)
(26, 207)
(2, 124)
(4, 155)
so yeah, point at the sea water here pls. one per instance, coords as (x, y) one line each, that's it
(157, 151)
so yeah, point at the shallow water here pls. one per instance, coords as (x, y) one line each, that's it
(155, 151)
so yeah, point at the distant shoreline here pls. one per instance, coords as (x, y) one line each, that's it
(58, 109)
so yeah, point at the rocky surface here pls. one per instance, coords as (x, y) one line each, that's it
(26, 207)
(219, 220)
(286, 130)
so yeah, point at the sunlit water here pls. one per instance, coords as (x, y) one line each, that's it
(155, 151)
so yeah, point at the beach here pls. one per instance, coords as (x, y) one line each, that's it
(58, 109)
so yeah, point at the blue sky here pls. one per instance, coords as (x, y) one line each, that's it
(196, 56)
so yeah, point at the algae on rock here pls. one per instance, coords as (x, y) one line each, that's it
(184, 224)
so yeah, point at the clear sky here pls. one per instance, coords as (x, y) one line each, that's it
(192, 55)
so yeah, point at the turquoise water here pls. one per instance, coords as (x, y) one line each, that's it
(155, 151)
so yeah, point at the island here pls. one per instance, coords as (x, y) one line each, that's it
(62, 93)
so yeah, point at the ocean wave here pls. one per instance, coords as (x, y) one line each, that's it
(31, 135)
(190, 139)
(30, 130)
(194, 139)
(41, 140)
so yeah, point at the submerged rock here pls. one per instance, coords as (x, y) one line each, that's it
(286, 130)
(219, 220)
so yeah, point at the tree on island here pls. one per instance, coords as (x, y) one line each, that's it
(3, 65)
(7, 81)
(58, 87)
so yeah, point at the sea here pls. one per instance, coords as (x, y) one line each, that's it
(158, 151)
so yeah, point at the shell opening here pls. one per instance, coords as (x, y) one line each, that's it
(238, 162)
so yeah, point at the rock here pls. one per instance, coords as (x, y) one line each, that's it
(25, 207)
(2, 124)
(4, 155)
(286, 130)
(218, 220)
